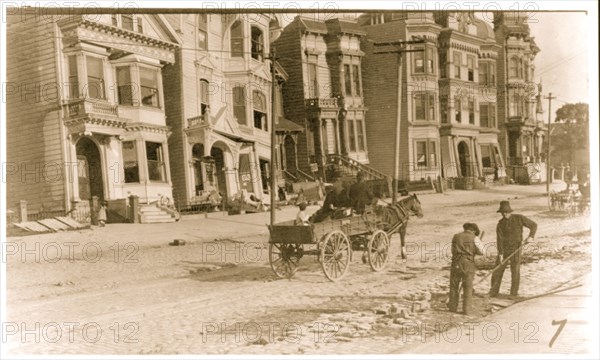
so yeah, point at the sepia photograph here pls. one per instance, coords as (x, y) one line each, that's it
(303, 179)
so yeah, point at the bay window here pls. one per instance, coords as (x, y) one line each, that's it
(257, 44)
(470, 68)
(347, 80)
(425, 106)
(73, 77)
(237, 39)
(456, 58)
(204, 101)
(457, 110)
(149, 87)
(360, 135)
(484, 119)
(130, 162)
(313, 81)
(483, 73)
(356, 79)
(259, 102)
(95, 77)
(426, 154)
(471, 112)
(155, 160)
(124, 85)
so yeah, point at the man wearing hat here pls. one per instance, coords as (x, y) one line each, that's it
(360, 195)
(465, 246)
(509, 238)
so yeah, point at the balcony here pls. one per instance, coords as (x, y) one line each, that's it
(326, 103)
(85, 107)
(198, 121)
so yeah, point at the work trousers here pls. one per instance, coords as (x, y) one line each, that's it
(462, 271)
(515, 273)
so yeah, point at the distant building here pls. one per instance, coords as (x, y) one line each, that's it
(444, 97)
(324, 95)
(522, 131)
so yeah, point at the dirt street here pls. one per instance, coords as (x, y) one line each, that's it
(123, 289)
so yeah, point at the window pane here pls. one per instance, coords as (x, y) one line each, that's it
(419, 65)
(351, 135)
(443, 65)
(114, 20)
(149, 87)
(430, 61)
(239, 105)
(73, 78)
(486, 159)
(259, 100)
(420, 107)
(313, 84)
(237, 40)
(127, 21)
(471, 68)
(492, 74)
(483, 115)
(512, 68)
(95, 74)
(432, 154)
(421, 153)
(360, 136)
(202, 40)
(125, 87)
(471, 112)
(457, 64)
(457, 110)
(444, 110)
(492, 116)
(355, 76)
(204, 91)
(140, 25)
(130, 162)
(347, 80)
(483, 67)
(431, 107)
(257, 44)
(156, 166)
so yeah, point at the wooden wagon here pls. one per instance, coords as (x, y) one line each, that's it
(332, 242)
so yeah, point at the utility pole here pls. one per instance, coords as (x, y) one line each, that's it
(548, 171)
(400, 51)
(273, 58)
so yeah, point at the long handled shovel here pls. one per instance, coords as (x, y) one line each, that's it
(504, 261)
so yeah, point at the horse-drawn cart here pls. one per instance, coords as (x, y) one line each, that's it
(334, 240)
(568, 201)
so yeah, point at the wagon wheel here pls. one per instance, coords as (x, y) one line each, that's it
(335, 255)
(378, 250)
(283, 259)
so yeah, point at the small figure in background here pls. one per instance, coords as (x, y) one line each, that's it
(320, 189)
(301, 198)
(568, 177)
(102, 214)
(281, 193)
(302, 216)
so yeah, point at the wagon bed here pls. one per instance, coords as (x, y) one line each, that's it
(333, 241)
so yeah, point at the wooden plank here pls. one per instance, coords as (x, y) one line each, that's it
(32, 226)
(54, 224)
(71, 222)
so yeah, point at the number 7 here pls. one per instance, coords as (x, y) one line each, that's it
(561, 324)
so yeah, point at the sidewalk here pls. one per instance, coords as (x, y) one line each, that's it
(527, 327)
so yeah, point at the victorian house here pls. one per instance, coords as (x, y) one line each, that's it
(522, 132)
(324, 95)
(86, 109)
(441, 89)
(219, 108)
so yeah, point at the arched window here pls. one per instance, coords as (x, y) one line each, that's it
(513, 67)
(237, 39)
(257, 41)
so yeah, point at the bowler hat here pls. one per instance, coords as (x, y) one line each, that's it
(473, 227)
(504, 207)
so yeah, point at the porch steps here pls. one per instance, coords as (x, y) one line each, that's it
(151, 214)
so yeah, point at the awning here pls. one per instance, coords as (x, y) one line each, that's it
(286, 125)
(234, 137)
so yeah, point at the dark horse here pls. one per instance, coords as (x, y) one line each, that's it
(396, 217)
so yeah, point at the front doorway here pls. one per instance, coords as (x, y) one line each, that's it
(89, 170)
(289, 162)
(464, 159)
(197, 156)
(219, 169)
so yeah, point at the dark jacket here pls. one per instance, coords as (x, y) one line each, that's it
(509, 232)
(465, 245)
(360, 195)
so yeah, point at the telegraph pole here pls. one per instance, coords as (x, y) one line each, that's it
(548, 171)
(400, 51)
(273, 58)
